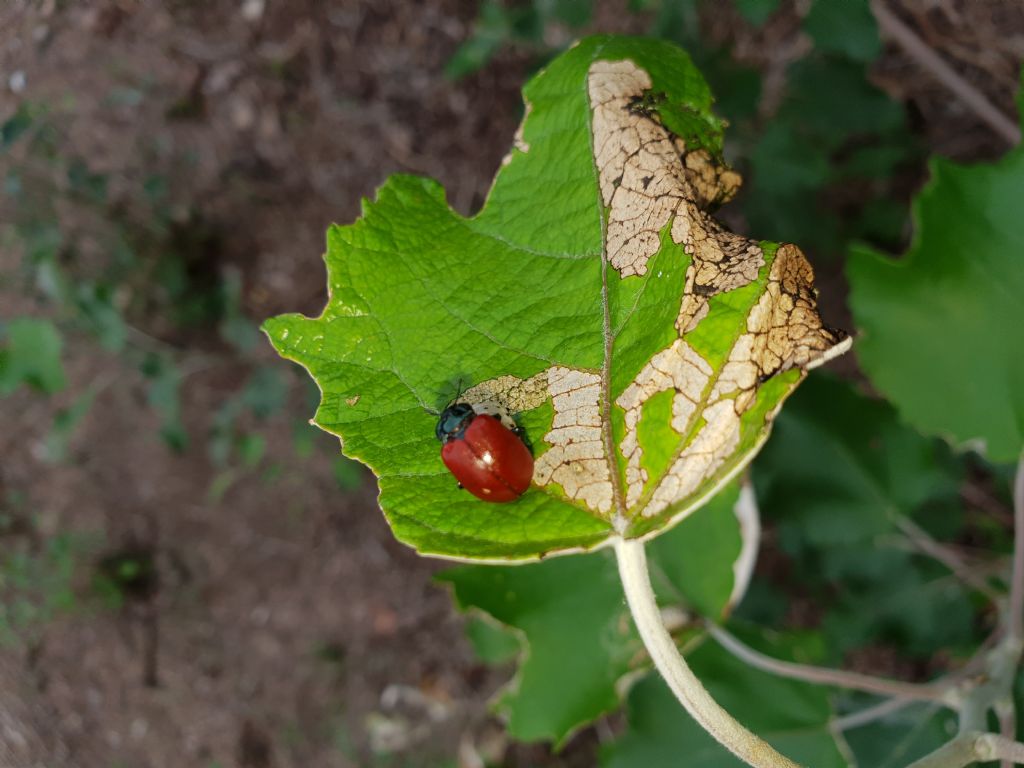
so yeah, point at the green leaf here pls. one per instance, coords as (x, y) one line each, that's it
(833, 129)
(30, 354)
(65, 422)
(701, 562)
(164, 397)
(235, 328)
(837, 473)
(265, 392)
(902, 737)
(644, 348)
(347, 473)
(847, 27)
(492, 642)
(577, 628)
(83, 183)
(96, 302)
(15, 126)
(794, 717)
(757, 12)
(492, 30)
(569, 615)
(941, 326)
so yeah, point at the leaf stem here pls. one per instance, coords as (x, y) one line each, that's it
(869, 714)
(924, 543)
(1015, 622)
(1006, 711)
(958, 753)
(972, 747)
(677, 674)
(823, 676)
(992, 747)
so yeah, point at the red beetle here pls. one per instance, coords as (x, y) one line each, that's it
(484, 449)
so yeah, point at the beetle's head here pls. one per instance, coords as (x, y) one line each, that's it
(453, 421)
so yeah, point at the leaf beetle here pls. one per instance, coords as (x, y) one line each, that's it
(483, 447)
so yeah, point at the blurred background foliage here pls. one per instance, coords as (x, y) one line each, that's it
(130, 294)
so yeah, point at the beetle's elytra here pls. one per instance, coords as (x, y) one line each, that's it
(486, 456)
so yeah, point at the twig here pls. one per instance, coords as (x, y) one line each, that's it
(972, 747)
(677, 674)
(992, 747)
(985, 503)
(958, 753)
(870, 714)
(1015, 623)
(892, 27)
(880, 686)
(921, 539)
(1006, 711)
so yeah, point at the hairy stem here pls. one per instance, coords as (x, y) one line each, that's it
(677, 674)
(824, 676)
(1015, 622)
(992, 747)
(958, 753)
(972, 747)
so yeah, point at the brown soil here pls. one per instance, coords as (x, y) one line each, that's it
(281, 624)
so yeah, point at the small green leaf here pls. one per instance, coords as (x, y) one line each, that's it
(593, 280)
(757, 12)
(82, 182)
(941, 326)
(577, 638)
(30, 354)
(235, 328)
(265, 392)
(96, 303)
(793, 717)
(251, 448)
(15, 126)
(347, 473)
(65, 422)
(165, 398)
(493, 28)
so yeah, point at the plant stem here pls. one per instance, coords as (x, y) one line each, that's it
(922, 541)
(870, 714)
(677, 674)
(958, 753)
(892, 27)
(823, 676)
(1015, 623)
(972, 747)
(992, 747)
(1006, 711)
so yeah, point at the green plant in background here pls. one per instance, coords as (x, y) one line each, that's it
(126, 278)
(531, 24)
(35, 587)
(149, 281)
(591, 304)
(834, 144)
